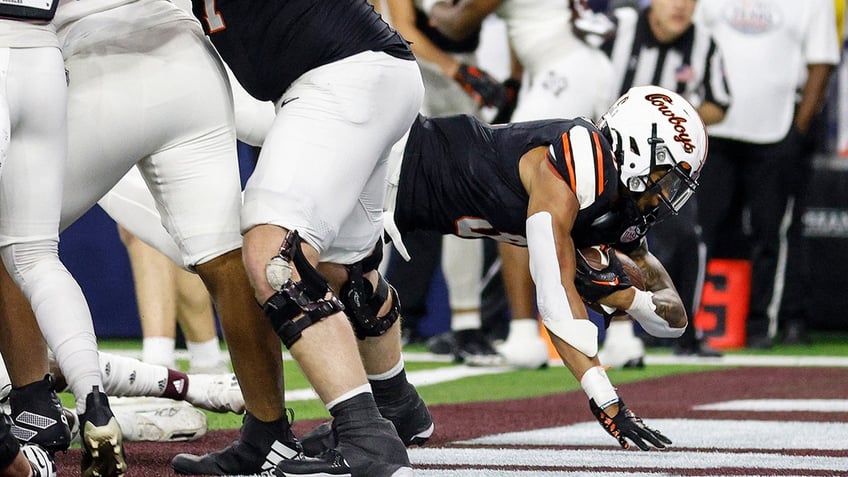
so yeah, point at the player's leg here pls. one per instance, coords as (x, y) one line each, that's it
(462, 265)
(33, 403)
(337, 153)
(197, 322)
(155, 286)
(195, 179)
(33, 263)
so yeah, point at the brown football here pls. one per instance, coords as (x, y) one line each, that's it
(597, 260)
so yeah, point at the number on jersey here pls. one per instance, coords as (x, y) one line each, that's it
(214, 19)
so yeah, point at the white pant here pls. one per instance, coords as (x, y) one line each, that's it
(33, 87)
(157, 98)
(575, 83)
(322, 168)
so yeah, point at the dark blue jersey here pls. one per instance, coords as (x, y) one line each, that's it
(460, 176)
(270, 43)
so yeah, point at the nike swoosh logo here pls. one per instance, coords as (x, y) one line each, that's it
(611, 283)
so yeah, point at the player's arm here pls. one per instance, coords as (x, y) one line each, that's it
(659, 309)
(480, 85)
(552, 210)
(402, 14)
(457, 21)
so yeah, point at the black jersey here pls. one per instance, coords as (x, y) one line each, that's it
(460, 176)
(270, 43)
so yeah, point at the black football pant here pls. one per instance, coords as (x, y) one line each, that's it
(758, 177)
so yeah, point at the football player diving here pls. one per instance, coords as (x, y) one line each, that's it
(557, 186)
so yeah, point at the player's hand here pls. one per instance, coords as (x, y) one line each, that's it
(627, 425)
(481, 86)
(511, 86)
(594, 284)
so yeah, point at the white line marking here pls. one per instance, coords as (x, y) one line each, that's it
(782, 405)
(589, 459)
(692, 433)
(418, 378)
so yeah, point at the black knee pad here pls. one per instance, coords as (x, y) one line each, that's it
(362, 302)
(9, 446)
(308, 297)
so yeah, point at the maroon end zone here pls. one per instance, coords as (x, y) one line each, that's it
(666, 398)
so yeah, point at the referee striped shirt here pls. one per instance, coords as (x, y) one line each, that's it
(692, 65)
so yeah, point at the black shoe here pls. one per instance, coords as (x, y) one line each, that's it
(795, 334)
(474, 349)
(760, 342)
(102, 439)
(372, 451)
(441, 344)
(261, 445)
(38, 416)
(408, 413)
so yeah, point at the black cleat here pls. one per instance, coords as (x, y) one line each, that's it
(374, 451)
(473, 348)
(408, 414)
(261, 445)
(38, 416)
(102, 439)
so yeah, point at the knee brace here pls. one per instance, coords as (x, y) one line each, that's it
(308, 297)
(362, 302)
(9, 446)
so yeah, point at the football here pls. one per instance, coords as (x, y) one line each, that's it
(598, 260)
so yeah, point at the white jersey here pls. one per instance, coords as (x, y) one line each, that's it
(767, 44)
(537, 29)
(25, 34)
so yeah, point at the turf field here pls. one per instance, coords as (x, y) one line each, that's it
(777, 412)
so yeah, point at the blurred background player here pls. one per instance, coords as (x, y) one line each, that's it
(453, 84)
(756, 154)
(167, 296)
(564, 77)
(659, 45)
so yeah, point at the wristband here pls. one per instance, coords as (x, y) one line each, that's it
(643, 310)
(598, 387)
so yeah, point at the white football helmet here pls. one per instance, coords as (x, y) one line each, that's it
(653, 129)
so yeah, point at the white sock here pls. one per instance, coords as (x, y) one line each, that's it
(620, 331)
(466, 320)
(123, 376)
(205, 354)
(523, 329)
(158, 350)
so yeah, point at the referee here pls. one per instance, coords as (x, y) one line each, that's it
(660, 45)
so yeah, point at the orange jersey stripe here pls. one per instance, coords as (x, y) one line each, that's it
(599, 160)
(569, 161)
